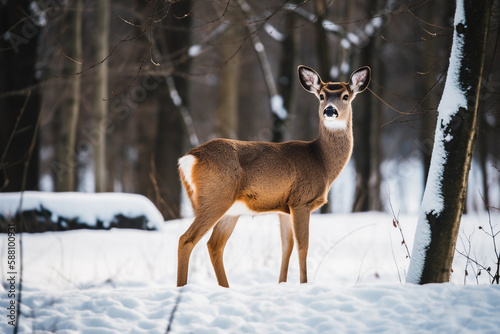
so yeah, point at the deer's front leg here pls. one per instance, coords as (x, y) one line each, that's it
(300, 217)
(286, 244)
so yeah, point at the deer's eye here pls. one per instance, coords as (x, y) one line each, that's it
(321, 97)
(345, 97)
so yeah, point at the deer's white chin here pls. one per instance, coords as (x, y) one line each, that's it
(334, 124)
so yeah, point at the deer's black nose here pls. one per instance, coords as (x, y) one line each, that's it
(330, 112)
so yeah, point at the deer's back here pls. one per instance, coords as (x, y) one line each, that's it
(264, 176)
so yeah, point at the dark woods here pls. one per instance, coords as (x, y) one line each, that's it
(106, 95)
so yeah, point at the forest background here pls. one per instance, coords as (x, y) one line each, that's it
(107, 95)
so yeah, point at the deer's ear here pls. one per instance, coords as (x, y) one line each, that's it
(360, 79)
(309, 79)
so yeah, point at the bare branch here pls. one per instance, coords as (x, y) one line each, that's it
(276, 101)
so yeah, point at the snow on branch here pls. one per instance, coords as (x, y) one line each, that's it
(197, 49)
(348, 39)
(276, 101)
(181, 106)
(328, 25)
(273, 32)
(183, 110)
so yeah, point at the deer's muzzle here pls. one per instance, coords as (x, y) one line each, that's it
(330, 112)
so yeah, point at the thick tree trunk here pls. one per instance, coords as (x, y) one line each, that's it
(101, 93)
(227, 95)
(455, 137)
(67, 156)
(226, 123)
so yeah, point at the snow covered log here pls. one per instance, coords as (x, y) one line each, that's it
(44, 211)
(454, 140)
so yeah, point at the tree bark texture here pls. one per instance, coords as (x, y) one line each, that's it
(367, 120)
(286, 81)
(226, 123)
(67, 157)
(432, 259)
(101, 93)
(171, 131)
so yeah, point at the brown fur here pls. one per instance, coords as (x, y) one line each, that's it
(291, 178)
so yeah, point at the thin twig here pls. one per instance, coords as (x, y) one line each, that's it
(477, 263)
(493, 235)
(335, 244)
(396, 223)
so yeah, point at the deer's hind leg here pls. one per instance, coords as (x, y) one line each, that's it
(286, 245)
(204, 221)
(216, 244)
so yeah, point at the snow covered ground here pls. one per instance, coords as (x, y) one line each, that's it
(123, 281)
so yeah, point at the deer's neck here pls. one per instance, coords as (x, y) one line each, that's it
(334, 145)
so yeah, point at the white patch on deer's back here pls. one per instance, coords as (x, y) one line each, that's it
(335, 125)
(186, 164)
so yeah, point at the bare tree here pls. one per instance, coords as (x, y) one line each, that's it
(171, 131)
(455, 137)
(67, 159)
(101, 93)
(226, 123)
(367, 155)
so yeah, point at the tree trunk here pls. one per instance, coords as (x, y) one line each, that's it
(287, 73)
(367, 153)
(18, 56)
(171, 133)
(323, 54)
(322, 48)
(226, 124)
(455, 137)
(438, 17)
(67, 156)
(482, 151)
(101, 93)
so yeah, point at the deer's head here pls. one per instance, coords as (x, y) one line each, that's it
(334, 97)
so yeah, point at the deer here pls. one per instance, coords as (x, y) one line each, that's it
(226, 178)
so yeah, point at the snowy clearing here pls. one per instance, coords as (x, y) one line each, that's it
(123, 281)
